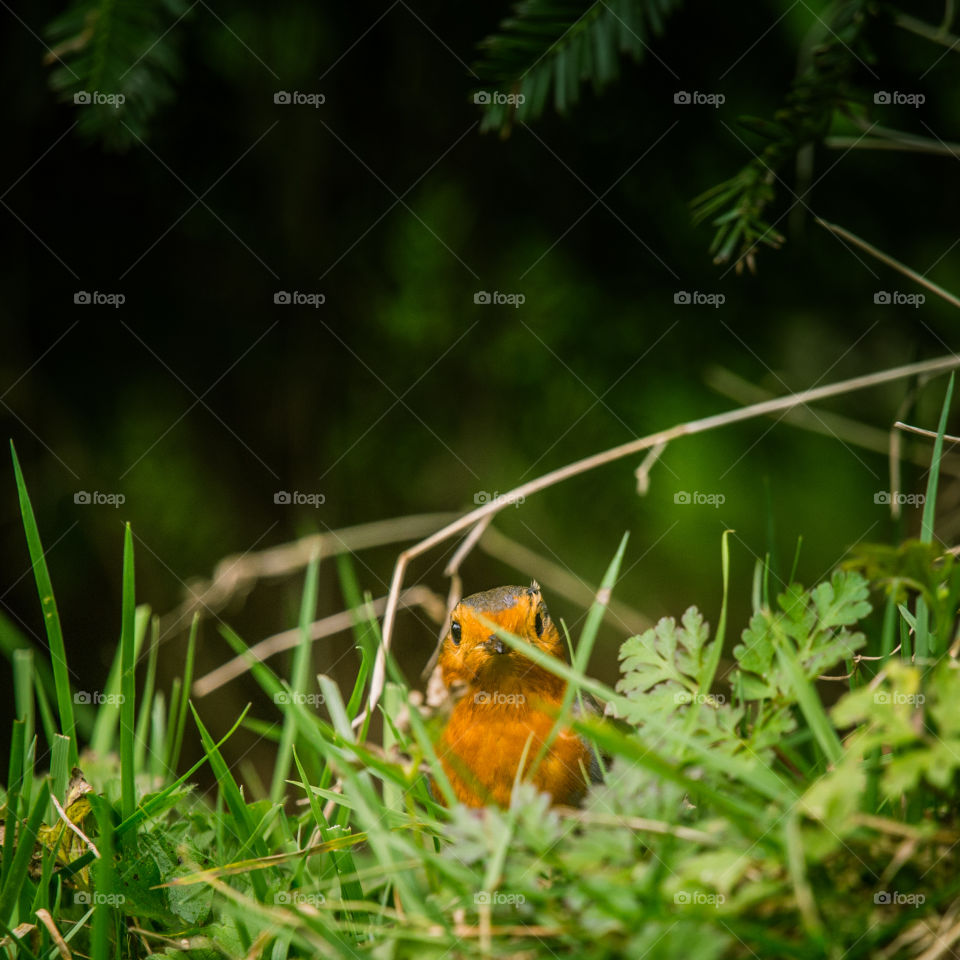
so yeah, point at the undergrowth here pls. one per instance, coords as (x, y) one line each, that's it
(741, 814)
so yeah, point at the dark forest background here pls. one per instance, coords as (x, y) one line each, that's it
(199, 398)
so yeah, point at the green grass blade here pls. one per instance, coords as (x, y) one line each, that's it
(26, 838)
(159, 740)
(717, 649)
(924, 644)
(342, 860)
(59, 774)
(14, 789)
(581, 657)
(104, 882)
(797, 866)
(23, 700)
(128, 688)
(103, 738)
(43, 706)
(51, 616)
(365, 630)
(235, 802)
(809, 702)
(930, 504)
(299, 678)
(145, 715)
(184, 694)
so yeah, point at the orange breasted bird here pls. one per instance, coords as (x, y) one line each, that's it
(509, 700)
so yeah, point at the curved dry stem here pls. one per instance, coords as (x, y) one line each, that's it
(239, 574)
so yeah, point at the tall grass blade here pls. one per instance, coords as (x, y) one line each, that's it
(181, 709)
(26, 839)
(299, 678)
(51, 616)
(923, 645)
(128, 689)
(145, 715)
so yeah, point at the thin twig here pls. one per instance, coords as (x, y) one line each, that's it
(856, 663)
(418, 596)
(642, 473)
(609, 456)
(63, 816)
(923, 29)
(239, 574)
(824, 422)
(890, 262)
(639, 824)
(932, 434)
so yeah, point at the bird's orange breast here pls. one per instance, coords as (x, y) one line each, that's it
(483, 744)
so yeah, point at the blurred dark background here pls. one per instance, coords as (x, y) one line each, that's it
(200, 398)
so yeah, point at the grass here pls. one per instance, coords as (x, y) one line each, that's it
(741, 816)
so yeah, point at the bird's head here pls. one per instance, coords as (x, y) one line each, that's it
(474, 655)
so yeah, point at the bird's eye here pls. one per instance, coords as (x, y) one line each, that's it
(455, 633)
(538, 624)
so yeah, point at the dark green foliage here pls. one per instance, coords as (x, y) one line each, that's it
(115, 49)
(549, 48)
(823, 87)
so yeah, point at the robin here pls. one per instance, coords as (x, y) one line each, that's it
(509, 701)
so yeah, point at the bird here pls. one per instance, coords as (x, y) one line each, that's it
(508, 701)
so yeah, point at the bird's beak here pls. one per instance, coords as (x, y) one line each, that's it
(495, 645)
